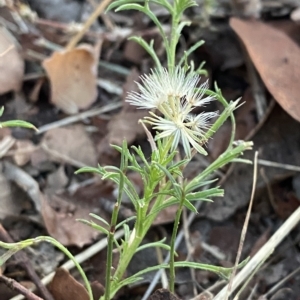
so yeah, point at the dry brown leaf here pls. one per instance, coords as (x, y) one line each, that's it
(276, 58)
(134, 52)
(65, 287)
(125, 126)
(24, 150)
(61, 212)
(11, 63)
(60, 217)
(72, 142)
(289, 28)
(73, 78)
(166, 216)
(98, 289)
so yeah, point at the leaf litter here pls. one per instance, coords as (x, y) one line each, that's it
(11, 63)
(72, 86)
(276, 58)
(73, 78)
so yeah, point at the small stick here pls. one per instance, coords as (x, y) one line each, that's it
(6, 51)
(14, 285)
(245, 227)
(23, 259)
(80, 258)
(263, 253)
(62, 158)
(280, 283)
(274, 164)
(101, 7)
(80, 116)
(257, 88)
(269, 189)
(24, 181)
(261, 122)
(160, 260)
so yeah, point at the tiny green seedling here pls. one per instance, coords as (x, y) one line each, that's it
(15, 123)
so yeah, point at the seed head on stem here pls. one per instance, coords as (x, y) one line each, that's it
(175, 95)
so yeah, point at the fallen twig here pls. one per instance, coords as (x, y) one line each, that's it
(263, 253)
(81, 257)
(23, 260)
(14, 285)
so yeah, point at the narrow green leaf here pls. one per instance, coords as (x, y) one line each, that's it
(196, 185)
(171, 201)
(112, 169)
(243, 161)
(190, 206)
(132, 168)
(181, 26)
(169, 158)
(214, 192)
(128, 281)
(140, 153)
(7, 255)
(111, 175)
(94, 226)
(118, 3)
(88, 170)
(99, 218)
(126, 232)
(176, 186)
(18, 123)
(179, 164)
(125, 221)
(149, 48)
(133, 6)
(159, 244)
(190, 51)
(117, 148)
(222, 272)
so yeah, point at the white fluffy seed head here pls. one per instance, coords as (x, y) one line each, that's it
(175, 94)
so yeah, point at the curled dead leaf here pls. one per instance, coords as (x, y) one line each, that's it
(73, 78)
(65, 287)
(276, 58)
(72, 143)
